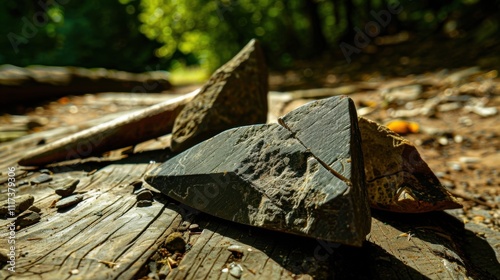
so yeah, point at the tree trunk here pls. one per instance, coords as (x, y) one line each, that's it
(319, 43)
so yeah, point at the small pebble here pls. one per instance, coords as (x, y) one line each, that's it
(175, 242)
(455, 166)
(144, 203)
(440, 174)
(184, 226)
(45, 171)
(448, 184)
(443, 141)
(465, 121)
(144, 194)
(235, 270)
(194, 227)
(481, 212)
(68, 188)
(74, 271)
(483, 111)
(458, 139)
(469, 159)
(69, 201)
(42, 178)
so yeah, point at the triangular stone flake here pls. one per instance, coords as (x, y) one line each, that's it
(235, 95)
(266, 176)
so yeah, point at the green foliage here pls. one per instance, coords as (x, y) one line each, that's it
(92, 33)
(139, 35)
(213, 31)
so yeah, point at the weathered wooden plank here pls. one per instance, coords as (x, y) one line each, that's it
(416, 240)
(11, 152)
(389, 253)
(194, 257)
(106, 229)
(129, 129)
(211, 251)
(78, 239)
(37, 83)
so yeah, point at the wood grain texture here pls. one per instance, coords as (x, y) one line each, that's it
(129, 129)
(107, 237)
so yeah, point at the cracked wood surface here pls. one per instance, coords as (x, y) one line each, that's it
(107, 237)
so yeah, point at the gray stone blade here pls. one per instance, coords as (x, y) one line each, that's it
(263, 176)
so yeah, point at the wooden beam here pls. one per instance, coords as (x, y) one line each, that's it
(124, 131)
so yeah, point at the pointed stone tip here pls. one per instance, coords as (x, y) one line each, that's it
(243, 83)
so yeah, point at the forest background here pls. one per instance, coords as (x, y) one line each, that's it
(142, 35)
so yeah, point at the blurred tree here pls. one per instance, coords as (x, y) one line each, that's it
(89, 34)
(133, 34)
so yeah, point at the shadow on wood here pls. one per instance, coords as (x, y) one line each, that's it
(445, 237)
(272, 255)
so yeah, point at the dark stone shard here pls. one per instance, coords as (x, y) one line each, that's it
(68, 188)
(137, 184)
(69, 201)
(42, 179)
(235, 95)
(27, 218)
(33, 208)
(22, 203)
(263, 176)
(329, 129)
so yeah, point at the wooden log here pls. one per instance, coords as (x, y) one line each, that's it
(37, 83)
(127, 130)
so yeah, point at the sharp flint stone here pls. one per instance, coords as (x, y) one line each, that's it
(235, 95)
(267, 176)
